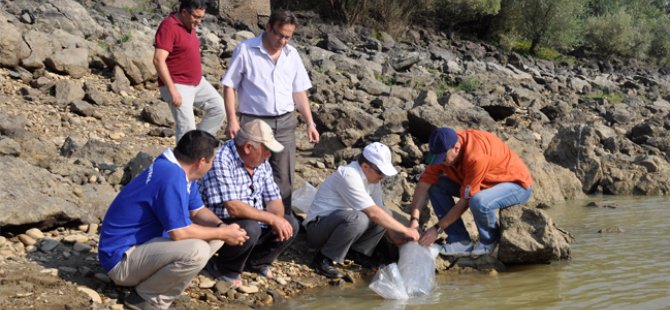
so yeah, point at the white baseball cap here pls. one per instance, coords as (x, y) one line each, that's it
(379, 155)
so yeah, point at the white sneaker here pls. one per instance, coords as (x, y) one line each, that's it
(483, 249)
(456, 249)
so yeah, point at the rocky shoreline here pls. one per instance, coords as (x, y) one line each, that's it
(80, 115)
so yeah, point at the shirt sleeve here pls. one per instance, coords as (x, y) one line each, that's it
(270, 189)
(352, 191)
(235, 69)
(195, 201)
(301, 81)
(431, 175)
(164, 38)
(172, 204)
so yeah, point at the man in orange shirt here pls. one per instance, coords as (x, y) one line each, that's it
(484, 172)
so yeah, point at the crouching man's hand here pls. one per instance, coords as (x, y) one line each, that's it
(233, 235)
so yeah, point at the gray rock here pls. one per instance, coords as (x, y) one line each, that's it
(158, 114)
(41, 46)
(47, 245)
(529, 236)
(12, 46)
(120, 82)
(12, 126)
(94, 96)
(10, 147)
(82, 108)
(71, 61)
(136, 60)
(67, 91)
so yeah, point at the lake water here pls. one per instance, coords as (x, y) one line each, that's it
(627, 270)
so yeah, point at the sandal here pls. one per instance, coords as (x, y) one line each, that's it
(263, 271)
(213, 270)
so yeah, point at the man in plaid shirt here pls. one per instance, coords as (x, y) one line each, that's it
(240, 188)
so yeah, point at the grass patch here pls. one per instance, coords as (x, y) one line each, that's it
(469, 84)
(126, 37)
(523, 47)
(614, 97)
(388, 81)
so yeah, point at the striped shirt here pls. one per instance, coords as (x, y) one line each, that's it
(229, 180)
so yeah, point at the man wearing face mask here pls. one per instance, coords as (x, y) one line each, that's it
(270, 81)
(180, 80)
(484, 172)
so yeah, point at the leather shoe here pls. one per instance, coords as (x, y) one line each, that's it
(135, 302)
(325, 266)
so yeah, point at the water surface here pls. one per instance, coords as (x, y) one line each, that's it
(623, 270)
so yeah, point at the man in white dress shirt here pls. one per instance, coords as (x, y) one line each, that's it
(271, 82)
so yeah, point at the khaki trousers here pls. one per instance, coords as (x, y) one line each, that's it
(162, 268)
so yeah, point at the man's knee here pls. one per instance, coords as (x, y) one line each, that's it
(252, 228)
(294, 224)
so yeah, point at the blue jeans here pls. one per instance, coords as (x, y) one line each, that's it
(483, 206)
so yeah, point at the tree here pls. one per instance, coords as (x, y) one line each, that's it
(551, 23)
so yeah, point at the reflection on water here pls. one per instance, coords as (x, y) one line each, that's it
(607, 270)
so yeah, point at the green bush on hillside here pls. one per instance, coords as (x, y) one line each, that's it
(550, 23)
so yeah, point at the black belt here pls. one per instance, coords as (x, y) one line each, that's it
(266, 116)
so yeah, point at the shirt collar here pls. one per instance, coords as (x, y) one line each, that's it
(257, 42)
(236, 155)
(359, 169)
(169, 155)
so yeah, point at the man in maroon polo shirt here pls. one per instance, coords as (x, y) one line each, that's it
(180, 80)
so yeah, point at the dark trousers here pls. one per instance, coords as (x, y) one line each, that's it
(260, 250)
(342, 230)
(283, 163)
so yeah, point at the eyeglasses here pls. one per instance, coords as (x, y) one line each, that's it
(197, 17)
(379, 172)
(279, 34)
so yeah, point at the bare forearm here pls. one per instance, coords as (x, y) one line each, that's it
(420, 199)
(276, 207)
(240, 209)
(454, 214)
(229, 101)
(302, 105)
(205, 217)
(382, 218)
(164, 74)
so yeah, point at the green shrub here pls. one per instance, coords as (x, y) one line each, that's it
(549, 23)
(451, 12)
(469, 84)
(611, 97)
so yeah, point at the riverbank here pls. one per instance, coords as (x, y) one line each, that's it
(59, 269)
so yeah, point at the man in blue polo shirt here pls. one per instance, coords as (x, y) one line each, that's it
(164, 199)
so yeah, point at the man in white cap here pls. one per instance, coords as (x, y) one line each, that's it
(348, 211)
(240, 189)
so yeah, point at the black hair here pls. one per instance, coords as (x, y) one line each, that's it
(282, 17)
(362, 160)
(190, 5)
(194, 145)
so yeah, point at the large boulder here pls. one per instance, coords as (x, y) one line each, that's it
(529, 236)
(12, 46)
(35, 196)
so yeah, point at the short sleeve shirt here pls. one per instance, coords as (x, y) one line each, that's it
(346, 189)
(263, 87)
(229, 180)
(158, 200)
(183, 45)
